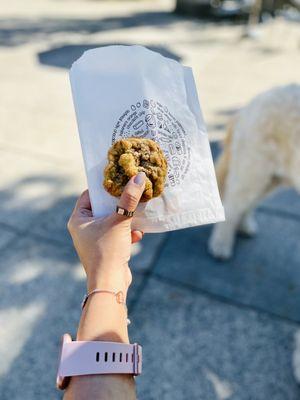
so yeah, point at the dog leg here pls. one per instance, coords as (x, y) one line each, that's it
(221, 241)
(245, 187)
(248, 226)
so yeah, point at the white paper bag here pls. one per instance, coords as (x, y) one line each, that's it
(124, 91)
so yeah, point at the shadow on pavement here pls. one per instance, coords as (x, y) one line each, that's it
(39, 291)
(64, 56)
(41, 283)
(17, 31)
(14, 32)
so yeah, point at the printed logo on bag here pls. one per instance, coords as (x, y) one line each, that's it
(150, 119)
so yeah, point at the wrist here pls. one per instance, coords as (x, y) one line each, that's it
(103, 318)
(107, 281)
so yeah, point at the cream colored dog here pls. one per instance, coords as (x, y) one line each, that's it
(261, 152)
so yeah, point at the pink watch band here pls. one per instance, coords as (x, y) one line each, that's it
(89, 358)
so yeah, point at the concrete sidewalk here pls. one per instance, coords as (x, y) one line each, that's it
(210, 330)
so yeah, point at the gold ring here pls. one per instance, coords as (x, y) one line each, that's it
(123, 211)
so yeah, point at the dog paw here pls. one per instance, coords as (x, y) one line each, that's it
(219, 249)
(248, 226)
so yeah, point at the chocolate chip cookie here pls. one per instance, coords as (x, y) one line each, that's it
(127, 157)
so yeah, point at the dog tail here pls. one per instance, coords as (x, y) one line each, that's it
(222, 165)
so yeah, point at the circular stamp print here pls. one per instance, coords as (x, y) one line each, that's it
(151, 119)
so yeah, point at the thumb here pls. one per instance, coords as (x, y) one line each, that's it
(132, 192)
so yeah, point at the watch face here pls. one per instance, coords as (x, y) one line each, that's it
(62, 381)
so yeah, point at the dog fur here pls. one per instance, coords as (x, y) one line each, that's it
(261, 152)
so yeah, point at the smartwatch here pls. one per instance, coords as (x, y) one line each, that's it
(92, 358)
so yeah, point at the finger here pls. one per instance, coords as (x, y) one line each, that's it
(133, 192)
(136, 236)
(83, 204)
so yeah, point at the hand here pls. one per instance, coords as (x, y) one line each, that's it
(103, 244)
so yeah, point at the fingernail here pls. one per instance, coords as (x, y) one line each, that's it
(139, 179)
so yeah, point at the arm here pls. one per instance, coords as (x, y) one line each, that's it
(103, 246)
(102, 319)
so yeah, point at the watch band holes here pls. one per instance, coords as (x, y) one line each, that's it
(126, 357)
